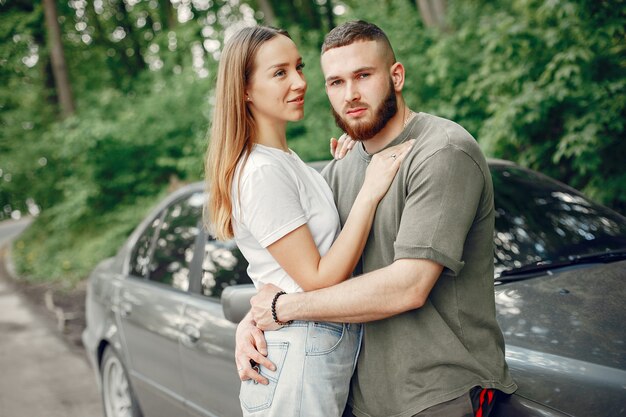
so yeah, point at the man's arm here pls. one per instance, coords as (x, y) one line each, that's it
(399, 287)
(404, 285)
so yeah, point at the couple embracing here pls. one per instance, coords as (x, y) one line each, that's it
(409, 210)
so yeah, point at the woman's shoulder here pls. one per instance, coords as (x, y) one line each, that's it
(260, 160)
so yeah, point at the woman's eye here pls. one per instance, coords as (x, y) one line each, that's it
(300, 67)
(279, 73)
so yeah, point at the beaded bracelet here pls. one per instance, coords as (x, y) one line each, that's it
(280, 323)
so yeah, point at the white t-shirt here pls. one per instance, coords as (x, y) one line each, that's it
(273, 194)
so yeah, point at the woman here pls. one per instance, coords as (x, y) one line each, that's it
(282, 215)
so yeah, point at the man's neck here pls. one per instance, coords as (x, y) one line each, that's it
(392, 129)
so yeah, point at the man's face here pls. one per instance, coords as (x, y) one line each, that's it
(359, 87)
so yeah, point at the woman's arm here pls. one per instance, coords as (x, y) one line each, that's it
(297, 253)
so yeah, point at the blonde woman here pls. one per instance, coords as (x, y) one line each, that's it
(282, 215)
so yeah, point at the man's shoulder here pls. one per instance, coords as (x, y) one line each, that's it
(434, 133)
(442, 131)
(337, 166)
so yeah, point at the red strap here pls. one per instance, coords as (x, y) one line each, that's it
(479, 412)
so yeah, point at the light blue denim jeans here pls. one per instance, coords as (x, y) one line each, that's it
(314, 363)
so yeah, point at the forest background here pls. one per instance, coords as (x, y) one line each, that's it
(105, 104)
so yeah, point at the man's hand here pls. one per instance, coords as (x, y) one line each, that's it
(262, 307)
(251, 347)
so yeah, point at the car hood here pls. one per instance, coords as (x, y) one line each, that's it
(565, 337)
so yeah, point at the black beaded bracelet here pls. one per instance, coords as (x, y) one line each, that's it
(280, 323)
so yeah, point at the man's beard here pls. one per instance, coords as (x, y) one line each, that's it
(365, 130)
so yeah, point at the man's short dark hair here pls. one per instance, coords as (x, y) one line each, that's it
(355, 31)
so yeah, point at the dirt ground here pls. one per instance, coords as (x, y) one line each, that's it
(64, 308)
(45, 370)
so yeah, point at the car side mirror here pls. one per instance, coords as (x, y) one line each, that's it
(236, 301)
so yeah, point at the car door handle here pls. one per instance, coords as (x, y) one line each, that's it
(125, 309)
(190, 335)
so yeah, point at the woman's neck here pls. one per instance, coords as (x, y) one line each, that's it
(273, 135)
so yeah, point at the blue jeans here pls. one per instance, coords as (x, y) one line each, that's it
(314, 363)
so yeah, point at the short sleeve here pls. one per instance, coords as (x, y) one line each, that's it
(443, 195)
(270, 205)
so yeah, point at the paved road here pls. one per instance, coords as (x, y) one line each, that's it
(11, 228)
(40, 374)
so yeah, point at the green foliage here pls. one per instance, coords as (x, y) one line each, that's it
(538, 82)
(111, 167)
(138, 131)
(542, 84)
(55, 249)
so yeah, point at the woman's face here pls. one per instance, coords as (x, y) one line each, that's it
(276, 90)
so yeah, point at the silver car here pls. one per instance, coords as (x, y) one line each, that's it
(162, 313)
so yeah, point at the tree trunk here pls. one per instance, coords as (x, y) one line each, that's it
(433, 13)
(293, 13)
(168, 14)
(269, 17)
(57, 57)
(49, 93)
(311, 13)
(330, 16)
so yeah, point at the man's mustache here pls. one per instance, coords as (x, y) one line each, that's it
(355, 105)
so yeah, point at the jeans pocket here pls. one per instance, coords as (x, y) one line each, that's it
(255, 396)
(323, 337)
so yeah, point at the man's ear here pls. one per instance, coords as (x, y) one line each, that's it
(397, 76)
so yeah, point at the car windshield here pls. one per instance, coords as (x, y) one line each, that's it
(541, 221)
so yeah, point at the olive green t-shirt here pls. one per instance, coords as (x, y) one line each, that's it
(439, 207)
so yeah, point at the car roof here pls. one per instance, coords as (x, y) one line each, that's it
(318, 165)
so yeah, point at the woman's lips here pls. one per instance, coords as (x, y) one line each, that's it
(297, 100)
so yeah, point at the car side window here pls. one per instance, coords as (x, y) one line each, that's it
(223, 265)
(174, 246)
(140, 258)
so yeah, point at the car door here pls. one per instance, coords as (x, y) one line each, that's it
(208, 363)
(151, 306)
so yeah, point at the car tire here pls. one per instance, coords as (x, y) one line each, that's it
(118, 399)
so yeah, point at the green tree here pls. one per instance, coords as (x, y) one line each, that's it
(539, 83)
(542, 84)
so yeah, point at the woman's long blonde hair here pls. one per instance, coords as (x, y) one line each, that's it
(233, 126)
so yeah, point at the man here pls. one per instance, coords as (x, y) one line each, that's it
(431, 345)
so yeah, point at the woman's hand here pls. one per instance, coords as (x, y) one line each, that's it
(250, 349)
(340, 147)
(383, 168)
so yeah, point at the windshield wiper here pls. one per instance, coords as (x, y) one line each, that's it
(542, 266)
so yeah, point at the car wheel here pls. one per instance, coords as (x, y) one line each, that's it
(117, 395)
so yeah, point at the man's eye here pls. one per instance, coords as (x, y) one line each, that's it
(335, 83)
(363, 75)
